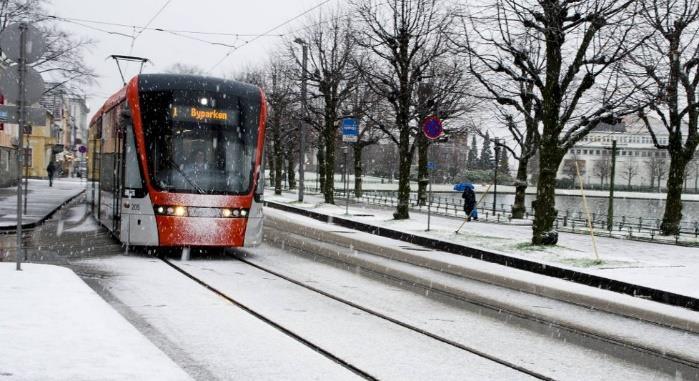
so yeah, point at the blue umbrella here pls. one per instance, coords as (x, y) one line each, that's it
(462, 186)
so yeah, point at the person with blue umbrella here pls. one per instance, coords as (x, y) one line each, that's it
(469, 197)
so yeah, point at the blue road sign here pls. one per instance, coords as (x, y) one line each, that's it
(350, 130)
(431, 165)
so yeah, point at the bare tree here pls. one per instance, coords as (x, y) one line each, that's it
(602, 169)
(331, 77)
(405, 37)
(571, 171)
(629, 171)
(279, 86)
(512, 90)
(671, 59)
(581, 43)
(657, 169)
(442, 93)
(183, 68)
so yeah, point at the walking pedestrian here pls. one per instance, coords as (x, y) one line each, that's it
(469, 197)
(51, 169)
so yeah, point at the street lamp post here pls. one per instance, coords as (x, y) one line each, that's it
(302, 132)
(495, 180)
(344, 152)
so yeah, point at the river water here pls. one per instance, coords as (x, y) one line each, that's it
(631, 208)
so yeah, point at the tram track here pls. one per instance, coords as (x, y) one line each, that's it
(45, 239)
(351, 304)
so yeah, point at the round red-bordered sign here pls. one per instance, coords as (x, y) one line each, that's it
(432, 127)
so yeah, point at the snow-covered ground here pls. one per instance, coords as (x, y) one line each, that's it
(42, 200)
(54, 327)
(665, 267)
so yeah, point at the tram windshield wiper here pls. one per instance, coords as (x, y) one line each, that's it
(184, 175)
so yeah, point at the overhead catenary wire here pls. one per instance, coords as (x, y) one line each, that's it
(133, 41)
(267, 32)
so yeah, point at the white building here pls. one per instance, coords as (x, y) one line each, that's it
(639, 163)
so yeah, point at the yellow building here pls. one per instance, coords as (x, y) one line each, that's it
(39, 150)
(8, 158)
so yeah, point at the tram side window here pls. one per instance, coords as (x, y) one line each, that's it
(133, 175)
(108, 154)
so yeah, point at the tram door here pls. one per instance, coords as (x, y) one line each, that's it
(123, 118)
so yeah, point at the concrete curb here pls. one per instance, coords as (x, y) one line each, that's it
(660, 296)
(40, 221)
(294, 237)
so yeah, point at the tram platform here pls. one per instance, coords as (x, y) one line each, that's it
(42, 201)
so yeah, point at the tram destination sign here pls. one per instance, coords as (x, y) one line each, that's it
(204, 115)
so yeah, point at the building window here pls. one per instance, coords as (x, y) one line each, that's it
(577, 151)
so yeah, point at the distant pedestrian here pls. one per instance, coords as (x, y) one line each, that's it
(51, 169)
(470, 203)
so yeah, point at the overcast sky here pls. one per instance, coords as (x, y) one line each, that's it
(164, 49)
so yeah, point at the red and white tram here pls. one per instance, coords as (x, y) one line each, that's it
(175, 161)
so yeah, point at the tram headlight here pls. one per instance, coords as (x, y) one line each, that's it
(226, 213)
(236, 212)
(243, 212)
(180, 211)
(160, 210)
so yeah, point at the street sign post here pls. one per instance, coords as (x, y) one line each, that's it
(350, 130)
(23, 44)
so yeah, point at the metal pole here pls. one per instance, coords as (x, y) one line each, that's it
(26, 177)
(495, 180)
(345, 149)
(302, 132)
(20, 144)
(610, 209)
(429, 199)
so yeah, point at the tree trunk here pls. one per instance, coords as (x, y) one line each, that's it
(329, 134)
(422, 172)
(270, 165)
(673, 202)
(358, 170)
(519, 207)
(291, 175)
(278, 164)
(320, 155)
(404, 159)
(545, 213)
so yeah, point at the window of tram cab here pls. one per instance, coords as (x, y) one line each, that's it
(199, 141)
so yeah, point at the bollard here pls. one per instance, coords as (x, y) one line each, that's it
(565, 220)
(640, 223)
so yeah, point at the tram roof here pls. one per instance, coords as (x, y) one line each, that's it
(159, 82)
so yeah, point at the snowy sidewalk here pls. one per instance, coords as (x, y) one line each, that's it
(54, 327)
(42, 201)
(658, 266)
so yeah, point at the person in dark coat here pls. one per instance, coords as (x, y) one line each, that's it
(51, 169)
(469, 197)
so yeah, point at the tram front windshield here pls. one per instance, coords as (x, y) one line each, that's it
(200, 142)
